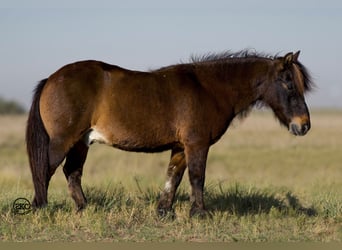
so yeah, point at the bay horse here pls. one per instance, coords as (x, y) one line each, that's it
(184, 108)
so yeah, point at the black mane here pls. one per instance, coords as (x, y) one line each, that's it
(249, 54)
(228, 55)
(307, 79)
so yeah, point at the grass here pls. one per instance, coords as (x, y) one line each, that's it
(263, 185)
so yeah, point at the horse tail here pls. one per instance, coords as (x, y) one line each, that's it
(37, 145)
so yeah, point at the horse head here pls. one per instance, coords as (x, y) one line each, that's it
(285, 93)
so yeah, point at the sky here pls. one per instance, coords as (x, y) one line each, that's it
(39, 37)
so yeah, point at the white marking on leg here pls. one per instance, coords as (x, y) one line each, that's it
(94, 136)
(168, 186)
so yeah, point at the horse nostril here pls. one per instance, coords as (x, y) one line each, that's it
(294, 129)
(305, 128)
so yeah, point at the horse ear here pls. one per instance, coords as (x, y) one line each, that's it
(295, 56)
(288, 58)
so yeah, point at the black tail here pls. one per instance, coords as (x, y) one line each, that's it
(37, 144)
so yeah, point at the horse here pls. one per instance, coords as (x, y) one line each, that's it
(184, 108)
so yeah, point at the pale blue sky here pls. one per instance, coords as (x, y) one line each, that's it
(142, 35)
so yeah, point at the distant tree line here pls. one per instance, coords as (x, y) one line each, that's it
(10, 107)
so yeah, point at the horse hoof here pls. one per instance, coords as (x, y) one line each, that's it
(199, 213)
(166, 213)
(38, 205)
(80, 208)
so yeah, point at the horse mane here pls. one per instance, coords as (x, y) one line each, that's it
(249, 54)
(228, 56)
(307, 79)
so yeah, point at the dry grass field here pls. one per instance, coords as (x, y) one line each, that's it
(262, 185)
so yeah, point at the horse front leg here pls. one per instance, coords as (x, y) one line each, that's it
(175, 173)
(196, 157)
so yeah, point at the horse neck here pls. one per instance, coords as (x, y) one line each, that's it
(237, 85)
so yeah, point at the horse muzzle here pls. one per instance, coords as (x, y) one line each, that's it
(299, 125)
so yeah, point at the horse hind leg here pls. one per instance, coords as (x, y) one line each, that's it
(73, 169)
(175, 173)
(42, 171)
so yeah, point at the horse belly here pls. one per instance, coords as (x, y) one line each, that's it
(131, 137)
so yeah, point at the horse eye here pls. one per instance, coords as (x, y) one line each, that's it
(288, 78)
(288, 85)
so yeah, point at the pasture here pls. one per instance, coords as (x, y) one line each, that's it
(262, 185)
